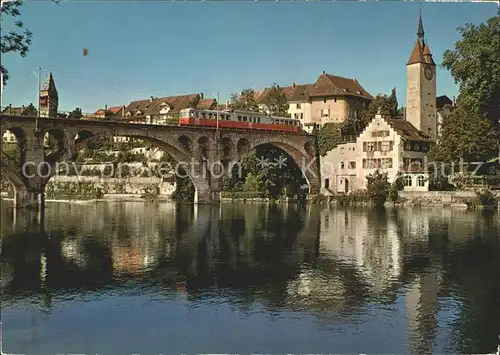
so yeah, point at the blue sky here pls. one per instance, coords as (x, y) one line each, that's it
(141, 48)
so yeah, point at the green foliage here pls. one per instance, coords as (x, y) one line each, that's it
(270, 180)
(353, 199)
(396, 186)
(486, 198)
(245, 101)
(184, 188)
(465, 136)
(474, 63)
(277, 102)
(328, 137)
(439, 182)
(80, 190)
(378, 187)
(16, 40)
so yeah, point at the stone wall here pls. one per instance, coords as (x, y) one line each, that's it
(133, 185)
(440, 197)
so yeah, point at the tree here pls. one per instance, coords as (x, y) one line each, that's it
(396, 186)
(328, 137)
(475, 66)
(277, 102)
(245, 101)
(17, 40)
(378, 187)
(465, 136)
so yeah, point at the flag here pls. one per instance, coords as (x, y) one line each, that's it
(85, 52)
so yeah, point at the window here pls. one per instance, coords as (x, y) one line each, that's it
(301, 116)
(335, 99)
(327, 183)
(342, 150)
(429, 131)
(239, 118)
(408, 180)
(341, 165)
(324, 112)
(324, 100)
(352, 165)
(421, 181)
(387, 163)
(298, 106)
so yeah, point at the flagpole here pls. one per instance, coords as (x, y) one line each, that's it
(217, 110)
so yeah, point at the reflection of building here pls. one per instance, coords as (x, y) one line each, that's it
(71, 251)
(422, 306)
(375, 250)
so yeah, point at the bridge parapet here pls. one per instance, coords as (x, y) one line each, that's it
(203, 153)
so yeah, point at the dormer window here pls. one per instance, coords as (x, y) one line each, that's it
(164, 108)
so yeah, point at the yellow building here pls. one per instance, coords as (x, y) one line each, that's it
(330, 99)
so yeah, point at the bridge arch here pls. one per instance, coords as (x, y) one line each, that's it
(302, 155)
(179, 149)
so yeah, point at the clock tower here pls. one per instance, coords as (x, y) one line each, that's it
(421, 87)
(49, 98)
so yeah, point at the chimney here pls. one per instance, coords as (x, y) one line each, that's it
(151, 99)
(453, 101)
(293, 85)
(105, 107)
(201, 96)
(324, 72)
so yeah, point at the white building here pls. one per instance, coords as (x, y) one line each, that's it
(391, 145)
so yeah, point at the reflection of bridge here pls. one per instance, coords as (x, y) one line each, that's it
(204, 153)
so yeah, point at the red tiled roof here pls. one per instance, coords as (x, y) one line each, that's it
(421, 53)
(407, 130)
(331, 85)
(206, 104)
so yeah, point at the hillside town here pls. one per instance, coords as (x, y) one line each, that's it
(395, 144)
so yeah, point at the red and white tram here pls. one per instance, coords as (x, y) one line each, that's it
(238, 119)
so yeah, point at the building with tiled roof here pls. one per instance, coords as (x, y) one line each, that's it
(330, 99)
(394, 146)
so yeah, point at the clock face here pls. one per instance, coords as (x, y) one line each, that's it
(428, 73)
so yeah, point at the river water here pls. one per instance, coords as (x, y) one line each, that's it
(123, 278)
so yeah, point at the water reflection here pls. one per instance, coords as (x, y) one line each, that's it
(339, 279)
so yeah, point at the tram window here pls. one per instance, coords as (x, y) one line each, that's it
(203, 115)
(239, 118)
(244, 119)
(191, 114)
(258, 120)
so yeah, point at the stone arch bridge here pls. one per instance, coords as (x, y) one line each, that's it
(204, 153)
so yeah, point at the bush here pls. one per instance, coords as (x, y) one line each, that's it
(378, 188)
(396, 186)
(486, 198)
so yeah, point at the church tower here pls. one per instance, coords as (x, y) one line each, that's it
(421, 86)
(49, 98)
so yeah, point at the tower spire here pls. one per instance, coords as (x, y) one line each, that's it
(420, 31)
